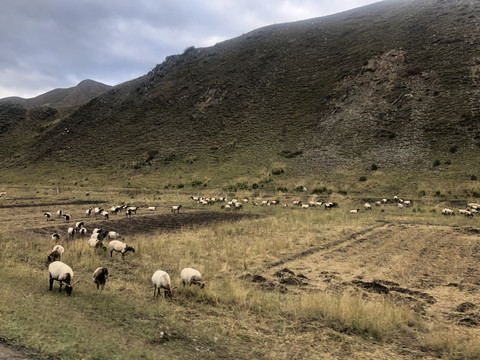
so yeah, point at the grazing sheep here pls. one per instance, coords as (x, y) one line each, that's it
(59, 213)
(56, 253)
(133, 209)
(115, 209)
(112, 235)
(63, 273)
(152, 208)
(96, 243)
(447, 211)
(465, 212)
(161, 280)
(305, 206)
(67, 217)
(55, 236)
(99, 235)
(328, 206)
(400, 206)
(384, 201)
(121, 247)
(100, 276)
(191, 276)
(105, 214)
(71, 232)
(367, 206)
(354, 211)
(88, 212)
(47, 215)
(97, 210)
(128, 213)
(238, 206)
(176, 208)
(79, 225)
(82, 231)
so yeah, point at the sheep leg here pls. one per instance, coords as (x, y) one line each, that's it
(51, 283)
(60, 290)
(111, 253)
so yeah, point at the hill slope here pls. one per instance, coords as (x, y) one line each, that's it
(60, 98)
(393, 83)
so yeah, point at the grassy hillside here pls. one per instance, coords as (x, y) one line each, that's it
(392, 84)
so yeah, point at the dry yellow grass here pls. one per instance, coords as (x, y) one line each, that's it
(324, 314)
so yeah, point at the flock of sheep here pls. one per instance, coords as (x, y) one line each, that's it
(161, 280)
(61, 272)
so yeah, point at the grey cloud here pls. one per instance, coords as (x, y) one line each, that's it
(57, 43)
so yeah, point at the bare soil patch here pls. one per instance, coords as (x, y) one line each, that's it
(144, 224)
(432, 269)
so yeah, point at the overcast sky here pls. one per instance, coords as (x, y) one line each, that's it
(47, 44)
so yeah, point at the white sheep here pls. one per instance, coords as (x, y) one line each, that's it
(161, 280)
(176, 208)
(71, 232)
(79, 225)
(152, 208)
(88, 212)
(56, 236)
(132, 209)
(56, 253)
(367, 206)
(112, 235)
(63, 273)
(48, 215)
(121, 247)
(67, 217)
(59, 213)
(447, 211)
(96, 243)
(105, 214)
(354, 211)
(100, 276)
(191, 276)
(83, 231)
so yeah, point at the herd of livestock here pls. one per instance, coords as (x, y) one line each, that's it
(61, 272)
(160, 279)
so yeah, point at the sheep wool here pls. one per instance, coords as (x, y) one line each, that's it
(191, 276)
(161, 280)
(63, 273)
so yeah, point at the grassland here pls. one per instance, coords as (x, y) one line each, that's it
(285, 283)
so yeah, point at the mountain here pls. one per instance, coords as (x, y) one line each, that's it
(392, 84)
(60, 98)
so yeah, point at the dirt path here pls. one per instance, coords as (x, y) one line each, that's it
(9, 353)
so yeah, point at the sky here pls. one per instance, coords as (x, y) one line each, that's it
(48, 44)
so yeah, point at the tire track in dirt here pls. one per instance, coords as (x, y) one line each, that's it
(328, 246)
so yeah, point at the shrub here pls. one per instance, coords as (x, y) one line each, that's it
(362, 178)
(282, 189)
(374, 167)
(436, 163)
(453, 149)
(319, 190)
(301, 188)
(473, 177)
(278, 171)
(422, 193)
(342, 192)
